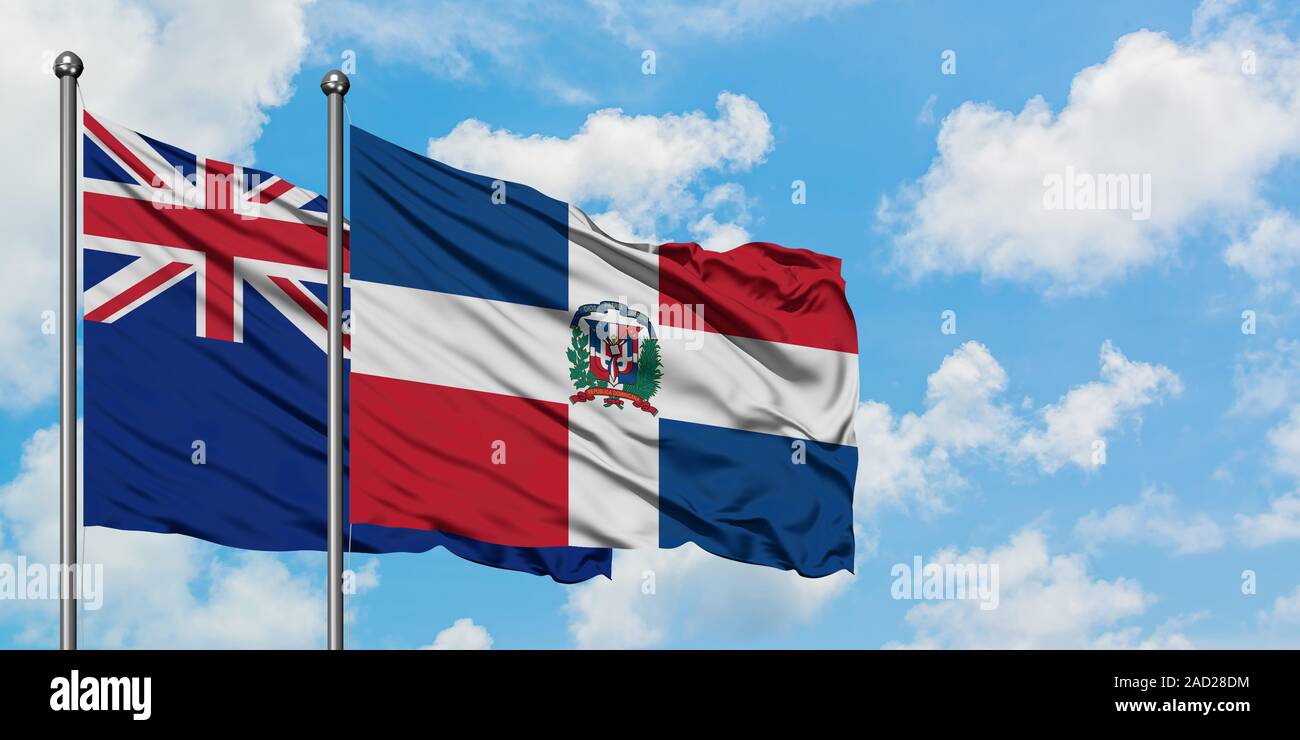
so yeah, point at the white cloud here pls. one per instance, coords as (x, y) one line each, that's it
(462, 40)
(960, 409)
(26, 502)
(655, 596)
(1090, 412)
(1269, 251)
(366, 578)
(158, 590)
(1166, 636)
(925, 117)
(614, 224)
(728, 199)
(642, 167)
(718, 236)
(1279, 524)
(1046, 601)
(566, 92)
(1210, 14)
(898, 463)
(674, 21)
(910, 458)
(1186, 114)
(463, 634)
(1284, 440)
(201, 75)
(1155, 519)
(253, 602)
(447, 37)
(1285, 611)
(1267, 381)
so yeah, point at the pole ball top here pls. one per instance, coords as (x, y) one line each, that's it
(333, 82)
(68, 64)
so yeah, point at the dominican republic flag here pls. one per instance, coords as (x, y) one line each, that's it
(520, 377)
(205, 374)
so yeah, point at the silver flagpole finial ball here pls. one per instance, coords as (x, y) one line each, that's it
(334, 81)
(68, 64)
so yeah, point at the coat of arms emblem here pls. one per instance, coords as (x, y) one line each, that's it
(614, 355)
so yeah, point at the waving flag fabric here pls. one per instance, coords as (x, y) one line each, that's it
(205, 336)
(521, 378)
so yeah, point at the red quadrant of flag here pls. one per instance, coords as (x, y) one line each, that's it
(485, 465)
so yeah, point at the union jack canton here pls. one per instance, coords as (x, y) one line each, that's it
(181, 214)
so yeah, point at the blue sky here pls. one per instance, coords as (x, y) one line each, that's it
(976, 444)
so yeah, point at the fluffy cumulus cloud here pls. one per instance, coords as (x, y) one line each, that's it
(1285, 610)
(1158, 519)
(199, 74)
(1155, 519)
(1284, 441)
(1280, 523)
(157, 590)
(253, 601)
(1267, 384)
(1075, 427)
(898, 463)
(463, 634)
(909, 459)
(1204, 124)
(656, 596)
(1267, 380)
(1045, 600)
(723, 226)
(673, 21)
(1268, 251)
(643, 168)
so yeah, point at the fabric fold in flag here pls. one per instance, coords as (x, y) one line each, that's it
(205, 366)
(520, 377)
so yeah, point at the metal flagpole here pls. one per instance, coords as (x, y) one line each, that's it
(335, 85)
(67, 67)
